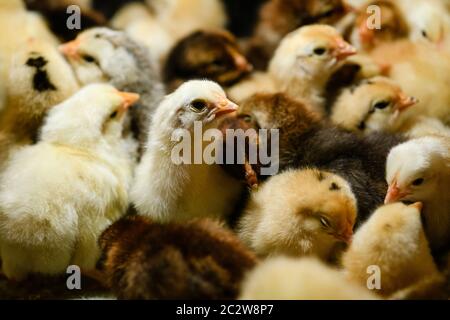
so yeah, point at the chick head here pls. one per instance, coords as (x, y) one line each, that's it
(195, 100)
(414, 169)
(374, 105)
(98, 53)
(300, 212)
(95, 112)
(431, 24)
(310, 52)
(214, 55)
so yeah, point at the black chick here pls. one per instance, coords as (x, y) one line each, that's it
(213, 55)
(306, 140)
(142, 259)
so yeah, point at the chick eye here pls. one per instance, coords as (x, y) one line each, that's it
(320, 51)
(418, 182)
(324, 222)
(89, 58)
(113, 115)
(381, 105)
(247, 119)
(424, 34)
(198, 105)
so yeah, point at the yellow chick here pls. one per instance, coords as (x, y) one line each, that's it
(392, 241)
(299, 212)
(285, 278)
(421, 72)
(302, 65)
(57, 196)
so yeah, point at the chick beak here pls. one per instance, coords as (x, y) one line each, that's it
(70, 49)
(418, 206)
(405, 102)
(129, 99)
(394, 194)
(224, 107)
(241, 62)
(346, 236)
(344, 50)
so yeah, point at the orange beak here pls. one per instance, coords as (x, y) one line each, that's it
(344, 50)
(241, 62)
(346, 236)
(225, 107)
(70, 49)
(405, 102)
(129, 99)
(394, 194)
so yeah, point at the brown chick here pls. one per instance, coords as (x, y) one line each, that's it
(305, 139)
(393, 25)
(279, 17)
(195, 260)
(299, 212)
(212, 55)
(393, 240)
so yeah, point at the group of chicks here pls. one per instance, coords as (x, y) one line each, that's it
(87, 119)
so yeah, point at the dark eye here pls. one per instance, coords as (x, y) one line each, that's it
(320, 51)
(247, 119)
(218, 62)
(324, 221)
(418, 182)
(381, 105)
(113, 115)
(424, 34)
(198, 105)
(89, 58)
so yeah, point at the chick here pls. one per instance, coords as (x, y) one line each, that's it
(165, 190)
(393, 25)
(57, 196)
(104, 55)
(393, 240)
(213, 55)
(39, 78)
(136, 20)
(305, 139)
(299, 212)
(284, 278)
(418, 170)
(199, 259)
(376, 104)
(280, 17)
(304, 62)
(414, 66)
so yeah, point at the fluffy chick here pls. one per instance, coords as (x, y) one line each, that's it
(166, 190)
(104, 55)
(279, 17)
(419, 170)
(39, 78)
(393, 240)
(199, 259)
(299, 212)
(305, 139)
(414, 66)
(373, 105)
(212, 55)
(57, 196)
(285, 278)
(303, 63)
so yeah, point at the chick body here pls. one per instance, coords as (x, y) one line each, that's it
(284, 278)
(394, 241)
(143, 259)
(57, 196)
